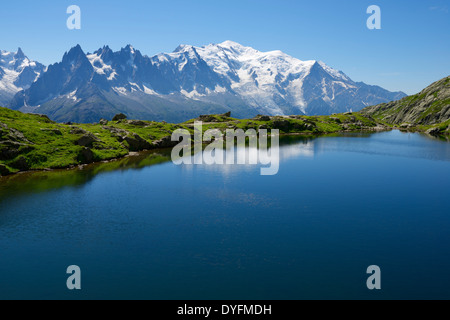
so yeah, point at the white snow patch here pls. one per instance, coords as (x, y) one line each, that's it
(100, 67)
(150, 91)
(192, 95)
(121, 90)
(72, 95)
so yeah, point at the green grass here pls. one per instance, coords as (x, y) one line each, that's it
(49, 145)
(297, 124)
(444, 127)
(435, 107)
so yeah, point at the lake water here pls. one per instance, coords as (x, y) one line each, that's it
(143, 228)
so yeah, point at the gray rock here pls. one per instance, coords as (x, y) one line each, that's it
(263, 118)
(52, 131)
(137, 143)
(429, 107)
(137, 123)
(165, 142)
(337, 120)
(12, 134)
(119, 134)
(119, 117)
(76, 130)
(103, 122)
(85, 156)
(283, 125)
(434, 131)
(299, 126)
(11, 149)
(87, 140)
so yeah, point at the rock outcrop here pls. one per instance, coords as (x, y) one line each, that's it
(429, 107)
(119, 117)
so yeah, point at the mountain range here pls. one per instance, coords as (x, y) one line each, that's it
(178, 86)
(17, 73)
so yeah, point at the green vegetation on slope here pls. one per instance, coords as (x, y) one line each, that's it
(34, 142)
(427, 111)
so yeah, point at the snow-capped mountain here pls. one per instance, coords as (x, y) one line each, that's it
(17, 72)
(190, 81)
(275, 83)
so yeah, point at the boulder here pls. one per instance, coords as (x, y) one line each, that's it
(119, 134)
(335, 119)
(103, 122)
(137, 143)
(85, 156)
(263, 118)
(137, 123)
(12, 134)
(299, 126)
(20, 164)
(283, 125)
(434, 131)
(4, 171)
(165, 142)
(119, 117)
(11, 149)
(16, 135)
(226, 115)
(87, 140)
(52, 131)
(76, 130)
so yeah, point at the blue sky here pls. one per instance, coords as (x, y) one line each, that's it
(408, 53)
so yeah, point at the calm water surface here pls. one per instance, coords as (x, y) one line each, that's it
(147, 229)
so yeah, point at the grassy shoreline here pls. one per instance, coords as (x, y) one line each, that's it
(31, 142)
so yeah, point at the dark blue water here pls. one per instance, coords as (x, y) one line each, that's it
(338, 205)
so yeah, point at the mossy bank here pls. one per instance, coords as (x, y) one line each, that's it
(34, 142)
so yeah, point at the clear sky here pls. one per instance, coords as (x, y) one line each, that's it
(411, 50)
